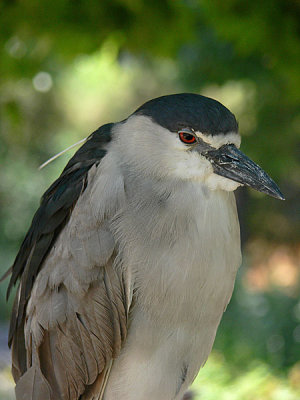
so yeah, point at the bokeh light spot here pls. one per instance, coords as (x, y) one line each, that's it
(42, 82)
(15, 47)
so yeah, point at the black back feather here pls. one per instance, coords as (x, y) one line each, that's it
(54, 212)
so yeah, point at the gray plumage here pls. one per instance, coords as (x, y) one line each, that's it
(131, 258)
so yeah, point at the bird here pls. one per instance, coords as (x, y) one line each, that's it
(131, 258)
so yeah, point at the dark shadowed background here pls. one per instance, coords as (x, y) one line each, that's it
(68, 67)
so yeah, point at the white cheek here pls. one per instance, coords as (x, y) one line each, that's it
(215, 182)
(192, 166)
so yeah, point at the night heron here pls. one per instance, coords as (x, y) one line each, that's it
(131, 258)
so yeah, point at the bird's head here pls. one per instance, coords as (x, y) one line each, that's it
(190, 137)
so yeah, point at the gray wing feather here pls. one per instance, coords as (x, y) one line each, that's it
(56, 207)
(74, 317)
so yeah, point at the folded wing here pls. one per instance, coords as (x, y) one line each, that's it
(70, 313)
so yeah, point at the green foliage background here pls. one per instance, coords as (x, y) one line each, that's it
(67, 67)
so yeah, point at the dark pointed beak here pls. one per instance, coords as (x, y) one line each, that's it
(230, 162)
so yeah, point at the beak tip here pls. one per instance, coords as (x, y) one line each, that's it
(277, 194)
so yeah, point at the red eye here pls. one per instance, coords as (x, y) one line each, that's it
(186, 137)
